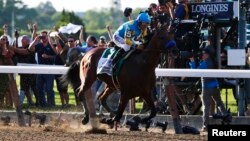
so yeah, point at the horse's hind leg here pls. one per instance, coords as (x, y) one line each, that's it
(83, 103)
(103, 99)
(88, 76)
(149, 100)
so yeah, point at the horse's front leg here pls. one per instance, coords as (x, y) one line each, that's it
(121, 107)
(173, 109)
(149, 100)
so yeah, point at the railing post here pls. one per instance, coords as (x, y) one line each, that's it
(241, 45)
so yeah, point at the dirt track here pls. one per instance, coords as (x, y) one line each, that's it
(13, 133)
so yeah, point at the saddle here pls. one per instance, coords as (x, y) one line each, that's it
(117, 64)
(106, 64)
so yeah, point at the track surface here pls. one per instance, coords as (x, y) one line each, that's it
(14, 133)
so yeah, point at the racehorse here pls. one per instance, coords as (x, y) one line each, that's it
(136, 78)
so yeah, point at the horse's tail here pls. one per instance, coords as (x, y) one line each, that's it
(72, 76)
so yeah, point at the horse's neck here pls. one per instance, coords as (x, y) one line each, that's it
(152, 55)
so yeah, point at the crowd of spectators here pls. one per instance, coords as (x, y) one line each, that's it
(42, 49)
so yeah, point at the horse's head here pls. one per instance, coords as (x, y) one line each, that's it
(163, 41)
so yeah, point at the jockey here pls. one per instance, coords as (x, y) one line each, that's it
(130, 32)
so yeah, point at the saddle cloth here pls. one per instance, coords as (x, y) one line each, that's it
(105, 65)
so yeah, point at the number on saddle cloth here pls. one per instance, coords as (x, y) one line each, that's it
(105, 63)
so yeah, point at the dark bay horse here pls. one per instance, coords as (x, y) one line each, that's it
(137, 76)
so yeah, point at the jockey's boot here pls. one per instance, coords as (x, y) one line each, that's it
(118, 56)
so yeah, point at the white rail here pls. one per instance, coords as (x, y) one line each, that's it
(45, 69)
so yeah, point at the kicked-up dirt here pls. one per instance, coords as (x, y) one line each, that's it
(47, 133)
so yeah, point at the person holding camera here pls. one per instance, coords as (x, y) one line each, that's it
(46, 55)
(210, 87)
(166, 11)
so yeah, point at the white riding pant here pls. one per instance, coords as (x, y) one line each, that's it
(120, 42)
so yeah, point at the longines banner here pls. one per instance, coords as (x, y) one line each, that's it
(220, 10)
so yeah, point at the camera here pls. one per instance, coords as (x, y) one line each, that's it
(41, 37)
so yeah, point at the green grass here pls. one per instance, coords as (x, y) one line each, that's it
(57, 98)
(231, 101)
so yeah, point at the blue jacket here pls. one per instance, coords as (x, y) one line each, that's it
(206, 82)
(130, 32)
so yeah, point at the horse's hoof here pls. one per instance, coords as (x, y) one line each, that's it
(116, 125)
(85, 120)
(96, 131)
(6, 120)
(134, 126)
(108, 122)
(163, 125)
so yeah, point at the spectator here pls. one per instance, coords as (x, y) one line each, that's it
(4, 77)
(90, 43)
(73, 51)
(6, 59)
(166, 8)
(27, 81)
(62, 89)
(102, 42)
(210, 87)
(181, 10)
(46, 55)
(166, 11)
(153, 7)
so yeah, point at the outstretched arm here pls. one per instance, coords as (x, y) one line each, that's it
(33, 44)
(34, 33)
(81, 36)
(109, 32)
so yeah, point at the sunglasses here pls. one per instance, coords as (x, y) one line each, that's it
(70, 41)
(3, 39)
